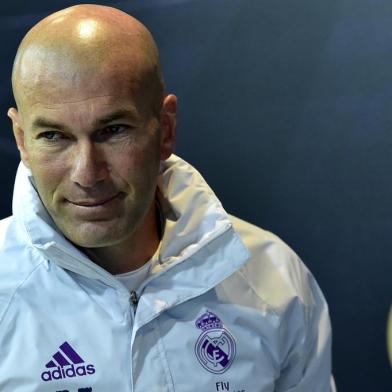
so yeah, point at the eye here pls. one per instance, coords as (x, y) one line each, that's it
(51, 136)
(112, 131)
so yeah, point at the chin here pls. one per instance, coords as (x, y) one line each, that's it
(96, 236)
(94, 242)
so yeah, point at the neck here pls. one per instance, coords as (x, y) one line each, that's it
(132, 253)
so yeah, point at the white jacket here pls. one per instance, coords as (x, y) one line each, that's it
(228, 306)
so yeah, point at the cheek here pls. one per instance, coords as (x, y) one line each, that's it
(47, 173)
(139, 170)
(138, 159)
(140, 176)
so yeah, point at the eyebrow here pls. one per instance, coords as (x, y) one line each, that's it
(117, 115)
(42, 122)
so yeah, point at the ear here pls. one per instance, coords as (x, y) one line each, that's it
(19, 134)
(168, 123)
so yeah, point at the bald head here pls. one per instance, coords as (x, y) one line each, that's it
(70, 46)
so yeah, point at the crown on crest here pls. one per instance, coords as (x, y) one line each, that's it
(207, 321)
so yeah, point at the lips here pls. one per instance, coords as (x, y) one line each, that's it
(93, 202)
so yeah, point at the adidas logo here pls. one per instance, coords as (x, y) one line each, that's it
(66, 363)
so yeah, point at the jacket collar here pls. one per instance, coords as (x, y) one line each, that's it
(39, 230)
(197, 229)
(199, 248)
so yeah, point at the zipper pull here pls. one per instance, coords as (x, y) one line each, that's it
(134, 300)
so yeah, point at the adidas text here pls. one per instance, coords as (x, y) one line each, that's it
(67, 372)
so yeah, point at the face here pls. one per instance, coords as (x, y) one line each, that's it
(94, 153)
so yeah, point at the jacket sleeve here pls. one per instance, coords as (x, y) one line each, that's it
(306, 340)
(302, 344)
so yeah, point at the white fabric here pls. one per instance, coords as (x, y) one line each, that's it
(271, 330)
(133, 279)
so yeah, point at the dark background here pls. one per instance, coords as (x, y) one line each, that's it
(285, 108)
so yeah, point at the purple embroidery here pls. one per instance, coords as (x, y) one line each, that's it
(66, 363)
(62, 360)
(71, 353)
(215, 349)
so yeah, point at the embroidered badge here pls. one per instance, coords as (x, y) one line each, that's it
(215, 349)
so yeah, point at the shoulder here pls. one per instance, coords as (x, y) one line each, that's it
(278, 286)
(259, 240)
(274, 271)
(18, 260)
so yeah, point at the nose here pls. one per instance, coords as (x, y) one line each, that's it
(88, 165)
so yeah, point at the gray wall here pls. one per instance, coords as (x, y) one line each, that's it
(285, 108)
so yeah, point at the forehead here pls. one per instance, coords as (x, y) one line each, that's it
(46, 80)
(84, 115)
(83, 101)
(79, 85)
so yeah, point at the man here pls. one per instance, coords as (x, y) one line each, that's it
(120, 270)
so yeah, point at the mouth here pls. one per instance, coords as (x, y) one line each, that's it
(91, 203)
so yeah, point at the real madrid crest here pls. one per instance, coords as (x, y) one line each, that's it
(215, 349)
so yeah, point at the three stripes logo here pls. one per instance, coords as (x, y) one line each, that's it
(66, 363)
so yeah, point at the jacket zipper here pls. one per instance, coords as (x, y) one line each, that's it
(134, 300)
